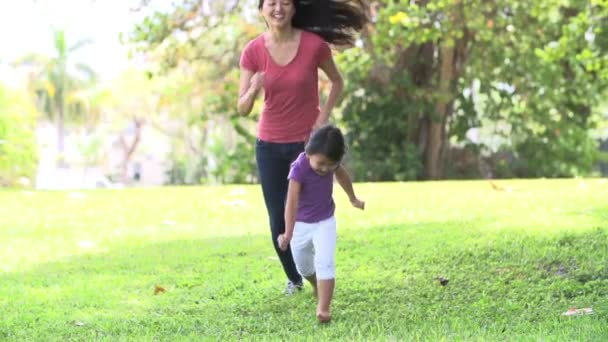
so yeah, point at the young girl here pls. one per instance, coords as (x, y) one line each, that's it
(310, 226)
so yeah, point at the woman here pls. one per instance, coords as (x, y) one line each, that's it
(284, 61)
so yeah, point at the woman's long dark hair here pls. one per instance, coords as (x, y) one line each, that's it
(336, 21)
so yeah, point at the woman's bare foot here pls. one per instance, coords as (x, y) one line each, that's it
(323, 316)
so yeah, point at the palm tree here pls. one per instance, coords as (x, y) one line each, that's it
(56, 83)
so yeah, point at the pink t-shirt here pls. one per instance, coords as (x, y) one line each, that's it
(291, 92)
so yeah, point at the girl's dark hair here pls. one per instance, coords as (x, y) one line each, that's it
(328, 141)
(336, 21)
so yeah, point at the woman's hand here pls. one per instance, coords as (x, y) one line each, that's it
(249, 87)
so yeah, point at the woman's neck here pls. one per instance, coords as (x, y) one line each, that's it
(282, 35)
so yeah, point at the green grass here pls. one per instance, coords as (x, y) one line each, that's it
(515, 261)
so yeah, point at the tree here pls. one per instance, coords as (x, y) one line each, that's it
(402, 85)
(426, 76)
(132, 103)
(197, 47)
(429, 71)
(548, 72)
(56, 81)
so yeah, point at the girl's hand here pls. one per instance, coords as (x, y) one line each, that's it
(357, 203)
(283, 241)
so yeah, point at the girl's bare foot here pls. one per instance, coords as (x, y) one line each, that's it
(323, 316)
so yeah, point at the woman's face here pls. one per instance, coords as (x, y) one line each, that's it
(278, 13)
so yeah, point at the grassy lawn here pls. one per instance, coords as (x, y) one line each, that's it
(84, 265)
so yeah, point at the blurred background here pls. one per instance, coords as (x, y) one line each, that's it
(98, 94)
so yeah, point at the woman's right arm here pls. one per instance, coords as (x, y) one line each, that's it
(249, 87)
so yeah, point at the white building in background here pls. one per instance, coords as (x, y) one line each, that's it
(94, 160)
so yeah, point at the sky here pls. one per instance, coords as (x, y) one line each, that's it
(25, 27)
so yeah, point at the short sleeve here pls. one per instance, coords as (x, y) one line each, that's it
(296, 172)
(324, 52)
(248, 57)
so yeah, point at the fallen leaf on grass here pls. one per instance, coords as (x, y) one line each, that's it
(159, 289)
(500, 188)
(234, 203)
(575, 311)
(501, 270)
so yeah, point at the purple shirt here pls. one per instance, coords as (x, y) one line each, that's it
(316, 203)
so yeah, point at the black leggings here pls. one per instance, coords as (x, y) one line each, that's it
(274, 160)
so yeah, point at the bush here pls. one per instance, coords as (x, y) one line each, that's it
(18, 152)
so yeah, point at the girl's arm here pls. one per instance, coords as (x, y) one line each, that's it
(337, 84)
(293, 196)
(346, 183)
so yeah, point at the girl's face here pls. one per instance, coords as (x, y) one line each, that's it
(278, 13)
(322, 165)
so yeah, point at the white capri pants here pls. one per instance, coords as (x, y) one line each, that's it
(313, 246)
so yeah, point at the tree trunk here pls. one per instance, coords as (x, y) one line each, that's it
(61, 162)
(436, 134)
(422, 75)
(129, 149)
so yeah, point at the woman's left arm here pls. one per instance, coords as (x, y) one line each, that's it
(337, 84)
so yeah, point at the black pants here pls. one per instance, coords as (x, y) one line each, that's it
(274, 160)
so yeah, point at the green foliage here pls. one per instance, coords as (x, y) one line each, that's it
(377, 127)
(232, 165)
(530, 73)
(558, 154)
(18, 151)
(548, 67)
(186, 171)
(196, 51)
